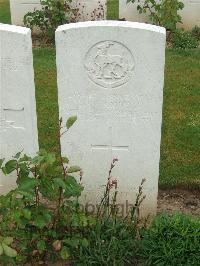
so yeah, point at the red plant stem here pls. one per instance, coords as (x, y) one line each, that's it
(60, 197)
(37, 197)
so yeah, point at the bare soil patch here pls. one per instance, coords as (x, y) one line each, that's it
(179, 200)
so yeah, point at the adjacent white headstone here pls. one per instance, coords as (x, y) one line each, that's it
(130, 13)
(190, 14)
(18, 123)
(19, 8)
(111, 74)
(88, 9)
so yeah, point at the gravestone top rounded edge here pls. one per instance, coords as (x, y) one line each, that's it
(13, 28)
(112, 23)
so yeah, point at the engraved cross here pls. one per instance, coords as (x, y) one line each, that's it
(110, 146)
(6, 123)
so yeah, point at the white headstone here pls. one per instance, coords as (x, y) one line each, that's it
(111, 74)
(88, 9)
(19, 8)
(18, 123)
(130, 13)
(190, 14)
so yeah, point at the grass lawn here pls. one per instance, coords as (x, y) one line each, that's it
(181, 125)
(113, 9)
(4, 11)
(180, 150)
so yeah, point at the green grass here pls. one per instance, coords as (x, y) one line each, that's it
(46, 95)
(181, 117)
(181, 127)
(113, 9)
(172, 240)
(4, 11)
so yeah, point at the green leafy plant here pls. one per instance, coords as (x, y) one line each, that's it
(172, 240)
(196, 32)
(42, 222)
(58, 12)
(163, 13)
(184, 40)
(5, 248)
(52, 14)
(42, 212)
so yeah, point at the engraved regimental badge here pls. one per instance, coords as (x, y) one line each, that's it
(109, 64)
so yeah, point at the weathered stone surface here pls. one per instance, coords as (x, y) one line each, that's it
(111, 75)
(18, 123)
